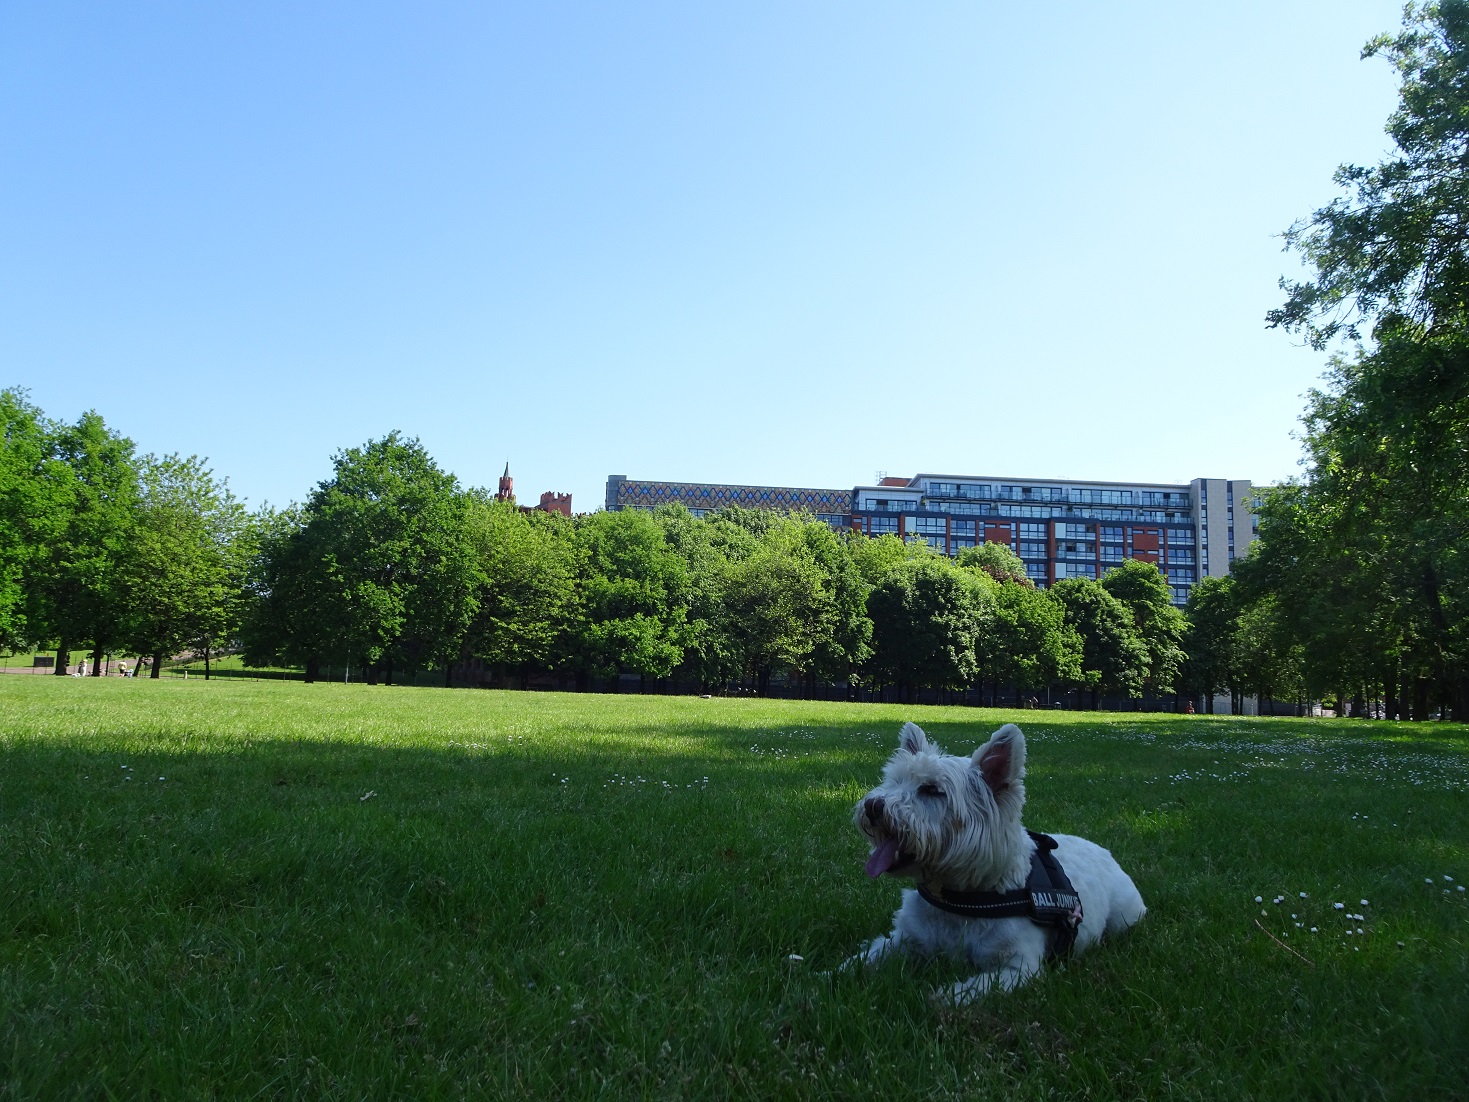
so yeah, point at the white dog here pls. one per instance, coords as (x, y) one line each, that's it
(987, 890)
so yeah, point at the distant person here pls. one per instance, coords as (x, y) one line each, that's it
(82, 669)
(1190, 709)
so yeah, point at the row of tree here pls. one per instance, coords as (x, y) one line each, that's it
(1358, 588)
(392, 567)
(106, 550)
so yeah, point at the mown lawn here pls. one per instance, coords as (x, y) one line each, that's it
(233, 890)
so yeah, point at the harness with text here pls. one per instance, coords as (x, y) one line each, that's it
(1048, 899)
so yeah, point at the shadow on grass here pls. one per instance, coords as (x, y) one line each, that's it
(565, 897)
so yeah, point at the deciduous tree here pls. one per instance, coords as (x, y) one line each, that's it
(76, 579)
(377, 568)
(1142, 587)
(1114, 658)
(928, 615)
(183, 575)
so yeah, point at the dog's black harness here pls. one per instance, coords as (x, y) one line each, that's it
(1048, 899)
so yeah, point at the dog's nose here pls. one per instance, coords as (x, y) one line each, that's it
(873, 807)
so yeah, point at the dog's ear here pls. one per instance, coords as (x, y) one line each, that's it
(912, 739)
(1001, 760)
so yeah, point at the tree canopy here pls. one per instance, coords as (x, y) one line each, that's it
(1392, 249)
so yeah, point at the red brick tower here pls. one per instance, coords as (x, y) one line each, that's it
(507, 487)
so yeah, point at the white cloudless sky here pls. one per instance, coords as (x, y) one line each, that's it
(788, 244)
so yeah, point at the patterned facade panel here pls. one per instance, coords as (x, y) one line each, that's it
(700, 495)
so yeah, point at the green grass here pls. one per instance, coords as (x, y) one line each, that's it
(229, 664)
(574, 896)
(26, 659)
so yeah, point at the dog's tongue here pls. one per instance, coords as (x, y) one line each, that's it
(882, 858)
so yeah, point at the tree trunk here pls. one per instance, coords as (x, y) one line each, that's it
(206, 661)
(388, 672)
(448, 675)
(96, 661)
(63, 659)
(157, 667)
(1420, 700)
(313, 669)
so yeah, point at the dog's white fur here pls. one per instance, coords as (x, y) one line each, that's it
(949, 821)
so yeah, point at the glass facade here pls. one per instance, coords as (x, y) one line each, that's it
(1059, 530)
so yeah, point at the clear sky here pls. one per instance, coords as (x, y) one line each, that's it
(780, 243)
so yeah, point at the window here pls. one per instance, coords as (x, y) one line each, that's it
(1167, 498)
(1033, 549)
(1180, 537)
(887, 505)
(1180, 555)
(1111, 552)
(968, 508)
(878, 525)
(1035, 571)
(1076, 570)
(1033, 531)
(928, 526)
(961, 527)
(1100, 497)
(958, 543)
(1030, 493)
(1074, 531)
(1114, 534)
(1180, 574)
(944, 489)
(1029, 510)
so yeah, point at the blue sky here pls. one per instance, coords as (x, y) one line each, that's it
(790, 243)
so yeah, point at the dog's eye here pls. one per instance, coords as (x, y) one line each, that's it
(932, 791)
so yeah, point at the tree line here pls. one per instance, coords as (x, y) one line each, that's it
(1358, 588)
(392, 567)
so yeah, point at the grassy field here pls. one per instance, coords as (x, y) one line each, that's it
(239, 890)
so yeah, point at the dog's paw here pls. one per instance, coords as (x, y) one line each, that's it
(962, 993)
(977, 987)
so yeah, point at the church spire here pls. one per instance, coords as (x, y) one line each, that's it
(507, 486)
